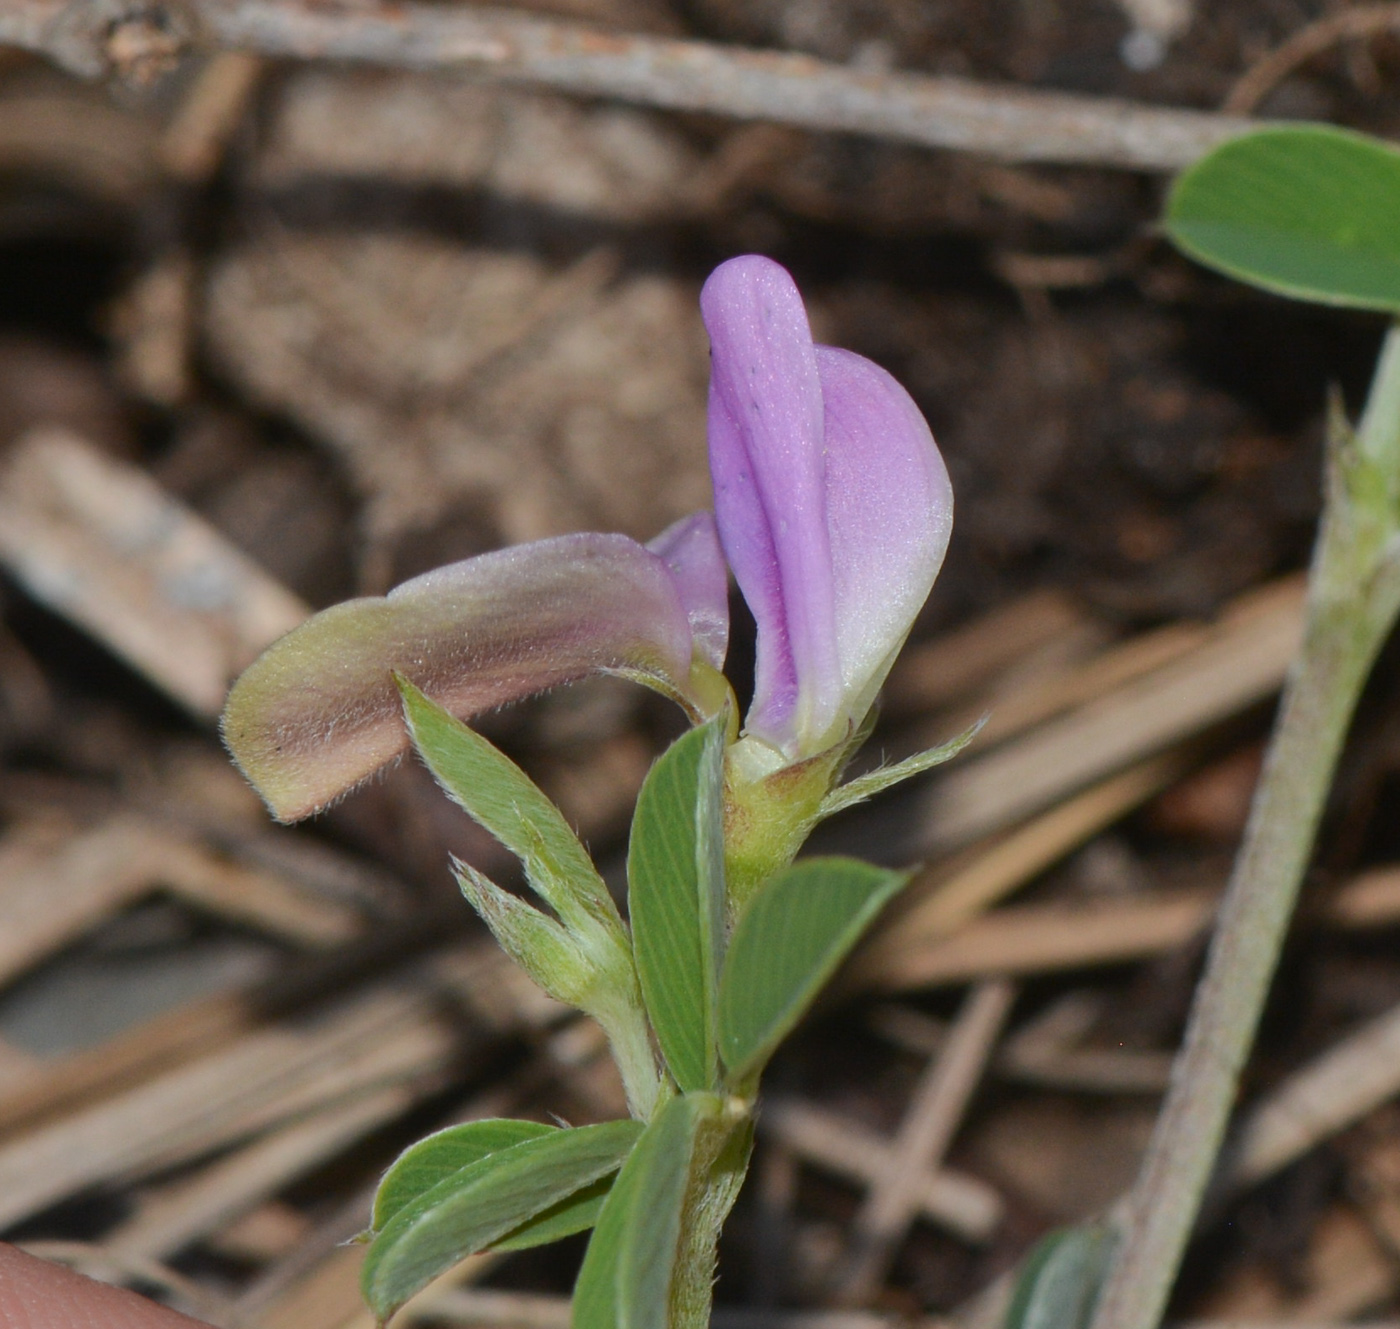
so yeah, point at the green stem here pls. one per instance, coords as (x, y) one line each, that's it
(1354, 596)
(629, 1039)
(722, 1153)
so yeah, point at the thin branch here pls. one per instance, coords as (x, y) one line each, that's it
(1348, 25)
(1016, 124)
(1354, 599)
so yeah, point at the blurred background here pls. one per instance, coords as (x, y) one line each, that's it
(273, 334)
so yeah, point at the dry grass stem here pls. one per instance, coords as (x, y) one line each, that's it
(940, 1099)
(1241, 662)
(1006, 122)
(1354, 1076)
(1309, 41)
(964, 1205)
(100, 543)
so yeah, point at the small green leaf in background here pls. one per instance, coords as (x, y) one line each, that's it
(476, 1206)
(790, 939)
(625, 1281)
(1061, 1278)
(498, 794)
(421, 1166)
(1310, 211)
(675, 874)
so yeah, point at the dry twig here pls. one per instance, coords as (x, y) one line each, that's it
(1011, 123)
(176, 1215)
(384, 1035)
(955, 892)
(1042, 938)
(1352, 1077)
(1312, 40)
(1238, 661)
(1045, 1051)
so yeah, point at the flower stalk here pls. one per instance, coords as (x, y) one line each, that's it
(1353, 603)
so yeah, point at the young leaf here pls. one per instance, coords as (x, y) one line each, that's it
(675, 873)
(625, 1281)
(794, 933)
(547, 952)
(1304, 210)
(1060, 1281)
(421, 1166)
(498, 794)
(483, 1202)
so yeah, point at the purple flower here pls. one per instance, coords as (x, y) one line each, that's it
(832, 505)
(832, 501)
(318, 711)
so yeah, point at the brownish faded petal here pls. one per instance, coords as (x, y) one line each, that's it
(318, 711)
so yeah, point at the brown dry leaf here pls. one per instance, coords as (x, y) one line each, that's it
(449, 377)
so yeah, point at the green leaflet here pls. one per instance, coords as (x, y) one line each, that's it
(1060, 1280)
(421, 1166)
(575, 1213)
(546, 951)
(498, 794)
(794, 933)
(675, 873)
(478, 1205)
(1303, 210)
(625, 1281)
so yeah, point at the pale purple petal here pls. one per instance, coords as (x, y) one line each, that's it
(748, 545)
(690, 549)
(318, 711)
(889, 514)
(765, 435)
(832, 502)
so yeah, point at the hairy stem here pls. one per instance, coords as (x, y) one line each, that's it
(722, 1158)
(629, 1039)
(1354, 595)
